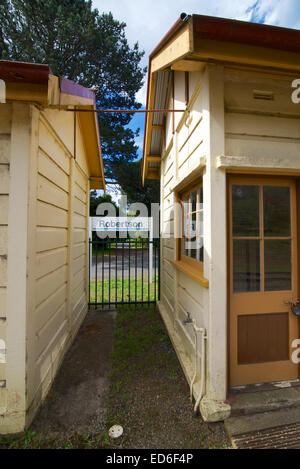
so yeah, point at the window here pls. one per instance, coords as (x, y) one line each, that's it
(191, 245)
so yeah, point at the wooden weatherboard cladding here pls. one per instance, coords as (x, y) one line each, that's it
(263, 338)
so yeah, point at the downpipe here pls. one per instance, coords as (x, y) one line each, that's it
(202, 332)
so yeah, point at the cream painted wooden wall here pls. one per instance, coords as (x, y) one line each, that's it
(236, 120)
(50, 201)
(59, 256)
(5, 136)
(260, 117)
(180, 294)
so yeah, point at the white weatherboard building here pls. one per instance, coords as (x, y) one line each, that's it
(231, 159)
(49, 160)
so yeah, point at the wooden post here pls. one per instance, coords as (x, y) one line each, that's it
(214, 185)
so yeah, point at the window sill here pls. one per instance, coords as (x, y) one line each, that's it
(192, 272)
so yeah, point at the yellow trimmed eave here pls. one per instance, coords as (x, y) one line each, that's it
(50, 96)
(27, 92)
(89, 126)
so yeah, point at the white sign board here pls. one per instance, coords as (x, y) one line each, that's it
(120, 224)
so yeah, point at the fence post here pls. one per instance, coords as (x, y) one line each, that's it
(91, 246)
(150, 250)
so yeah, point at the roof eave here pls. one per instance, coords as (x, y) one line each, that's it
(35, 83)
(227, 41)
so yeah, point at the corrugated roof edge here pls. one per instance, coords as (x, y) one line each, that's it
(178, 23)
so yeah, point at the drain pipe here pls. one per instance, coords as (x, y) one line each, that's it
(185, 322)
(201, 331)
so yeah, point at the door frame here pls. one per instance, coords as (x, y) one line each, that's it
(259, 179)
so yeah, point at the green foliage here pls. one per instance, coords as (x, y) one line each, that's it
(26, 441)
(130, 179)
(29, 438)
(86, 47)
(96, 199)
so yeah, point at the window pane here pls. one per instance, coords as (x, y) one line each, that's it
(186, 206)
(200, 224)
(194, 201)
(201, 197)
(246, 265)
(186, 224)
(200, 249)
(245, 210)
(193, 224)
(278, 268)
(192, 242)
(277, 211)
(192, 245)
(185, 250)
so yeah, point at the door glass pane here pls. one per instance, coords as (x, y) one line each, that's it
(278, 268)
(277, 211)
(245, 210)
(246, 265)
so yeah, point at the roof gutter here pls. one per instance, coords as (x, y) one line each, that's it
(22, 72)
(255, 34)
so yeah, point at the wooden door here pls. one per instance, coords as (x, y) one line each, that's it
(263, 279)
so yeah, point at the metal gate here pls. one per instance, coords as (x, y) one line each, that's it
(124, 271)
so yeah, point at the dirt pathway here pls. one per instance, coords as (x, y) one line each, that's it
(76, 403)
(137, 383)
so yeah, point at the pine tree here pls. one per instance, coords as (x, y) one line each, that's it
(86, 47)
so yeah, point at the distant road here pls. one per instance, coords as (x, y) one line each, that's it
(139, 261)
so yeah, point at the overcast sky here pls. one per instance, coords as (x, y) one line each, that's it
(149, 20)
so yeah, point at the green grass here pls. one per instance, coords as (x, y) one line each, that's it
(148, 393)
(134, 290)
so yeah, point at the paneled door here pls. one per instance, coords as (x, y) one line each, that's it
(263, 279)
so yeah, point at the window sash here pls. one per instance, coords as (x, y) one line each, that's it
(192, 241)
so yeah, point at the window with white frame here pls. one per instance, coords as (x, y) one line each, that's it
(192, 245)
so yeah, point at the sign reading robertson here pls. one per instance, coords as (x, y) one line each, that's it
(120, 224)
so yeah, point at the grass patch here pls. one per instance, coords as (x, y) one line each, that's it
(149, 394)
(123, 290)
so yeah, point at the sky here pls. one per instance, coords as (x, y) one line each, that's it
(148, 21)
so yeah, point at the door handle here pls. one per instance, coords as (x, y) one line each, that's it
(295, 307)
(296, 310)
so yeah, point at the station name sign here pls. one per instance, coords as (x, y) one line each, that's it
(120, 224)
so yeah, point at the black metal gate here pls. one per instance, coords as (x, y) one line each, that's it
(124, 271)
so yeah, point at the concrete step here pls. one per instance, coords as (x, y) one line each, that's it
(256, 422)
(250, 403)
